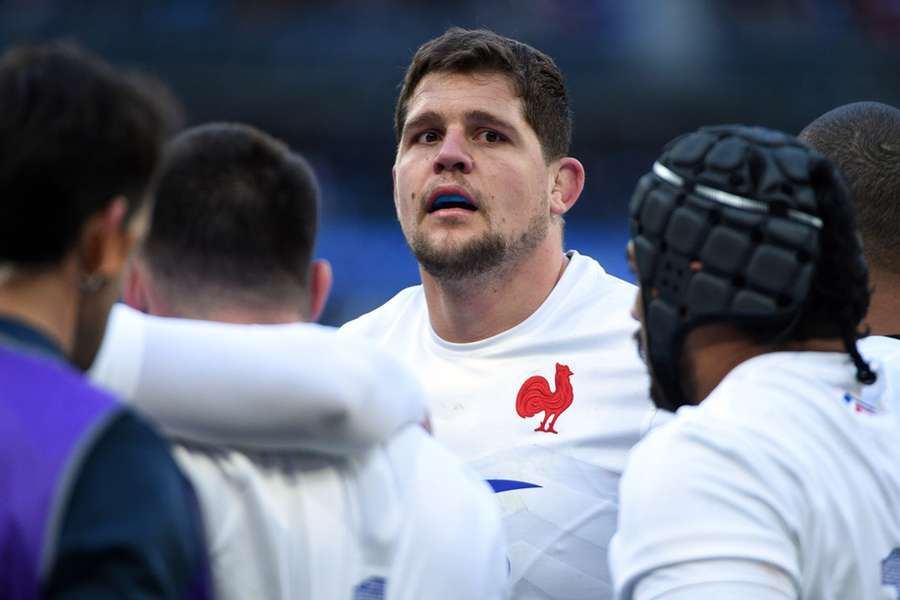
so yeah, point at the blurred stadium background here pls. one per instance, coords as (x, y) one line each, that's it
(323, 76)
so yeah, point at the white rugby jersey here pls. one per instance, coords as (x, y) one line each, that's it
(884, 352)
(783, 483)
(490, 399)
(346, 498)
(403, 520)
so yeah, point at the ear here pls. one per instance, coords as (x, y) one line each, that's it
(567, 185)
(105, 242)
(135, 293)
(320, 280)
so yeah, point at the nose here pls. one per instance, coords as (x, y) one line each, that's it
(452, 154)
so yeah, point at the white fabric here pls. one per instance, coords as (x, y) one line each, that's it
(384, 513)
(558, 532)
(736, 580)
(884, 354)
(282, 526)
(784, 464)
(292, 387)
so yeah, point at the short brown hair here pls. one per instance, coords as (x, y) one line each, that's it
(536, 78)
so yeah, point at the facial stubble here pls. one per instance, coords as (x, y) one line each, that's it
(487, 253)
(687, 380)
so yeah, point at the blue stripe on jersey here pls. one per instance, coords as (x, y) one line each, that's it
(506, 485)
(372, 588)
(890, 570)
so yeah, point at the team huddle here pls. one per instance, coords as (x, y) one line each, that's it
(522, 424)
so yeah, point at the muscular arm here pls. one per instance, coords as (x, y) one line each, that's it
(269, 387)
(131, 528)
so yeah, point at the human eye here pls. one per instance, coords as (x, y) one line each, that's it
(426, 137)
(490, 136)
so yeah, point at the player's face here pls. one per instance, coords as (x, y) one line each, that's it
(471, 185)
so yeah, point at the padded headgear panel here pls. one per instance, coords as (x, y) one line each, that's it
(725, 228)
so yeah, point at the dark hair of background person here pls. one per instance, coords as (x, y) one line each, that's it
(863, 140)
(74, 135)
(236, 211)
(534, 75)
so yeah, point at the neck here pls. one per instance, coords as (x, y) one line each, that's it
(267, 316)
(245, 314)
(46, 301)
(482, 306)
(713, 351)
(883, 317)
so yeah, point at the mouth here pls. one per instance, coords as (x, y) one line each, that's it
(443, 199)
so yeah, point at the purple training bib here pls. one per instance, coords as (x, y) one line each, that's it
(49, 417)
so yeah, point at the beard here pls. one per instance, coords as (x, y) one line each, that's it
(686, 380)
(655, 392)
(472, 258)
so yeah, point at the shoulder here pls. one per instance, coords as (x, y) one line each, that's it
(590, 294)
(129, 442)
(403, 308)
(589, 271)
(128, 466)
(694, 490)
(59, 405)
(885, 350)
(883, 353)
(41, 377)
(880, 344)
(129, 491)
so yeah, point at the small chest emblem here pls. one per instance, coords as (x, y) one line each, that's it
(535, 396)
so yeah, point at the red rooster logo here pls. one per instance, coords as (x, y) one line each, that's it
(535, 396)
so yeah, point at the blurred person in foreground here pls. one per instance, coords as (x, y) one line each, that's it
(91, 503)
(524, 348)
(333, 512)
(778, 478)
(863, 140)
